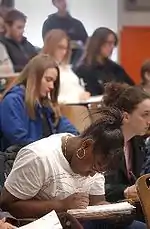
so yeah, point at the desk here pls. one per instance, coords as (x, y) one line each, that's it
(81, 114)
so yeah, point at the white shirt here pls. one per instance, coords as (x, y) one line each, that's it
(41, 170)
(6, 65)
(70, 88)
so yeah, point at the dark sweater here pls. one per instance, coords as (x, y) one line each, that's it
(73, 27)
(19, 53)
(97, 75)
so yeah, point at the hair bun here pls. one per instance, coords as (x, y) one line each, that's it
(112, 91)
(113, 117)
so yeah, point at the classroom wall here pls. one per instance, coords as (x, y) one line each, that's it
(134, 33)
(131, 18)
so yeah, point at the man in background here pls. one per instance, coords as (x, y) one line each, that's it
(15, 49)
(63, 20)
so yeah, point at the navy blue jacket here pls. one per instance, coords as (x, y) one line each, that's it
(16, 125)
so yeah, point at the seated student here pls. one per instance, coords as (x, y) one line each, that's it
(64, 172)
(96, 68)
(19, 50)
(145, 76)
(26, 112)
(134, 103)
(57, 45)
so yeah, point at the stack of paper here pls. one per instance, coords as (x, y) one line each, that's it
(118, 208)
(48, 221)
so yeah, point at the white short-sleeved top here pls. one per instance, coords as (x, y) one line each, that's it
(41, 170)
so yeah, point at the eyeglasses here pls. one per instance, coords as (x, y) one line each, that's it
(110, 43)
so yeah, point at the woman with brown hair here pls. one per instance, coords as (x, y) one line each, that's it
(29, 109)
(58, 46)
(96, 68)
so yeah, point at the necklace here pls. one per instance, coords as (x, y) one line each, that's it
(65, 145)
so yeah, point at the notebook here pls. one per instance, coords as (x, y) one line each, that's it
(48, 221)
(117, 208)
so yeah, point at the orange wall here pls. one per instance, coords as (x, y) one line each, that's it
(134, 49)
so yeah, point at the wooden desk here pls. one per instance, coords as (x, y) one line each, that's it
(81, 114)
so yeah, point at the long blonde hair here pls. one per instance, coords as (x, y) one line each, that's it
(51, 41)
(31, 77)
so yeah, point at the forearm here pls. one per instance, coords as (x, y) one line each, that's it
(34, 208)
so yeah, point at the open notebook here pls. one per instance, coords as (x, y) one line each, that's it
(118, 208)
(48, 221)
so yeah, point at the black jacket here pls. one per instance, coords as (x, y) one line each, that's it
(19, 53)
(73, 27)
(117, 181)
(97, 75)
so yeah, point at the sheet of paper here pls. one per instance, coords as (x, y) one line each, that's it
(118, 207)
(48, 221)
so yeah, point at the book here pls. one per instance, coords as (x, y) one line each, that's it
(48, 221)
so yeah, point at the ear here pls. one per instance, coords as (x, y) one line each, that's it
(87, 143)
(126, 117)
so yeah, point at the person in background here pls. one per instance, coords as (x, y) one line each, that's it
(57, 45)
(5, 62)
(14, 44)
(63, 20)
(96, 68)
(66, 171)
(145, 76)
(134, 104)
(72, 26)
(29, 110)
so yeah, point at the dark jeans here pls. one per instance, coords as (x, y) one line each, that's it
(100, 224)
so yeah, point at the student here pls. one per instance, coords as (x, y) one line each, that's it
(57, 45)
(26, 112)
(145, 76)
(96, 68)
(63, 20)
(65, 171)
(19, 50)
(134, 104)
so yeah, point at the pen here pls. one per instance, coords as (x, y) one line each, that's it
(133, 177)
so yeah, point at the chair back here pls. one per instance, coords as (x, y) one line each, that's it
(77, 114)
(143, 189)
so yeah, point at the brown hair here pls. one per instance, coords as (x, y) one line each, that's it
(124, 97)
(145, 69)
(51, 42)
(94, 44)
(31, 77)
(14, 15)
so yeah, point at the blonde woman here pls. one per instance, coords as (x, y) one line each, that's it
(58, 46)
(29, 109)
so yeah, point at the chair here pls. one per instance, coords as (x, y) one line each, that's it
(143, 189)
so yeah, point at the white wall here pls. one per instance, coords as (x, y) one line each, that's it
(132, 18)
(93, 14)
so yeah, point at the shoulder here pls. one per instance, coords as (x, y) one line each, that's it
(76, 21)
(15, 94)
(115, 66)
(46, 147)
(50, 17)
